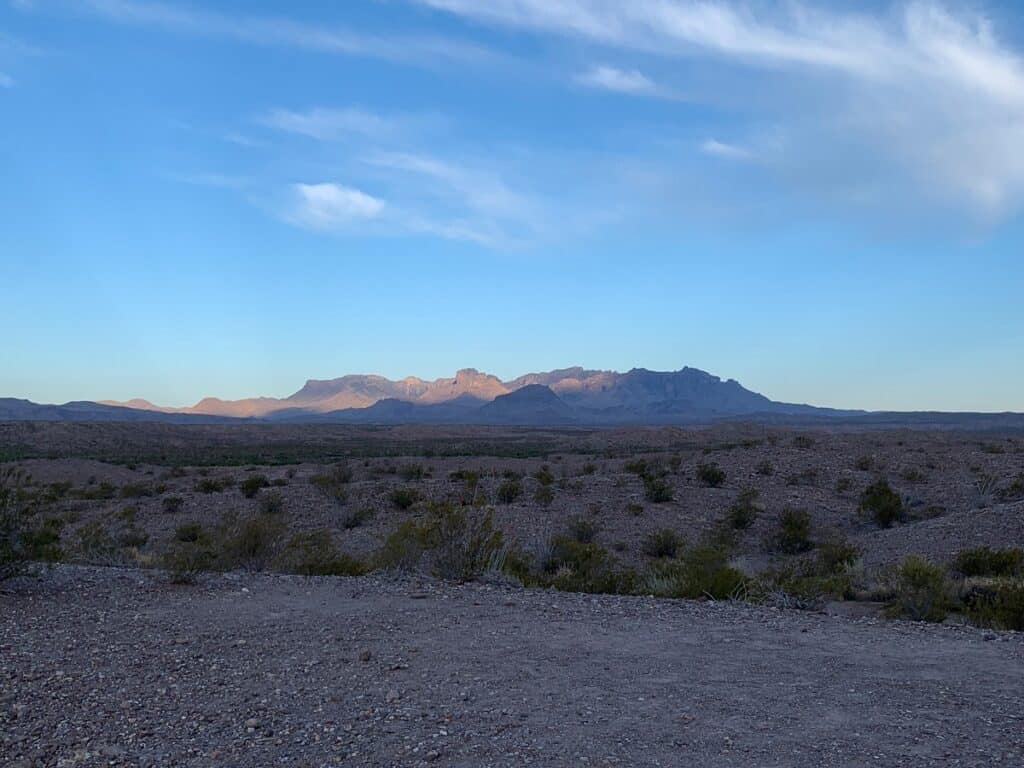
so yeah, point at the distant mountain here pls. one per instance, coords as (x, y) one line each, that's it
(530, 404)
(564, 396)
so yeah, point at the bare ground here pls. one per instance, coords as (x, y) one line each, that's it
(116, 667)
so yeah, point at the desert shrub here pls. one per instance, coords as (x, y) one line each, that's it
(189, 533)
(589, 468)
(544, 476)
(864, 463)
(835, 555)
(844, 485)
(701, 572)
(136, 491)
(1000, 605)
(403, 549)
(509, 491)
(172, 504)
(354, 518)
(403, 498)
(984, 561)
(765, 468)
(466, 545)
(412, 472)
(744, 510)
(213, 485)
(1013, 492)
(803, 441)
(656, 490)
(100, 492)
(575, 567)
(675, 462)
(253, 484)
(792, 534)
(922, 592)
(635, 467)
(185, 561)
(95, 545)
(582, 530)
(544, 495)
(913, 475)
(635, 509)
(314, 554)
(807, 476)
(710, 475)
(251, 543)
(271, 503)
(882, 503)
(511, 474)
(331, 483)
(662, 543)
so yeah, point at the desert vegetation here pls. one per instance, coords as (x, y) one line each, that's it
(764, 516)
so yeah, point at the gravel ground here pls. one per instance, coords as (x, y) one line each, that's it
(116, 667)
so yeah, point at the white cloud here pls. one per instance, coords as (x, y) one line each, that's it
(729, 151)
(925, 92)
(330, 124)
(425, 51)
(329, 206)
(619, 80)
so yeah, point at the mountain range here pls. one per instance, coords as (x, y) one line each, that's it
(565, 396)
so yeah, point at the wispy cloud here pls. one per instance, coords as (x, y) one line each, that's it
(329, 206)
(926, 91)
(211, 179)
(422, 50)
(608, 78)
(729, 151)
(332, 124)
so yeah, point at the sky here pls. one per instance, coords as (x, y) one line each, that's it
(821, 200)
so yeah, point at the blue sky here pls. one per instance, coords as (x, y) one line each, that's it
(821, 200)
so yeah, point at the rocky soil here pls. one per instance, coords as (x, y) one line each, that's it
(116, 667)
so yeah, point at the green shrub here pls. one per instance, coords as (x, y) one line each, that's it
(185, 561)
(412, 472)
(1000, 605)
(251, 543)
(882, 503)
(701, 572)
(765, 468)
(214, 485)
(403, 498)
(635, 467)
(582, 530)
(544, 476)
(984, 561)
(253, 484)
(864, 463)
(744, 511)
(314, 554)
(332, 482)
(356, 517)
(792, 533)
(509, 491)
(922, 592)
(190, 533)
(466, 545)
(636, 510)
(710, 475)
(403, 549)
(663, 543)
(575, 567)
(271, 503)
(656, 490)
(172, 504)
(588, 468)
(844, 485)
(544, 495)
(42, 543)
(136, 491)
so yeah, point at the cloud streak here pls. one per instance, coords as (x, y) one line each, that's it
(630, 81)
(330, 206)
(421, 50)
(920, 88)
